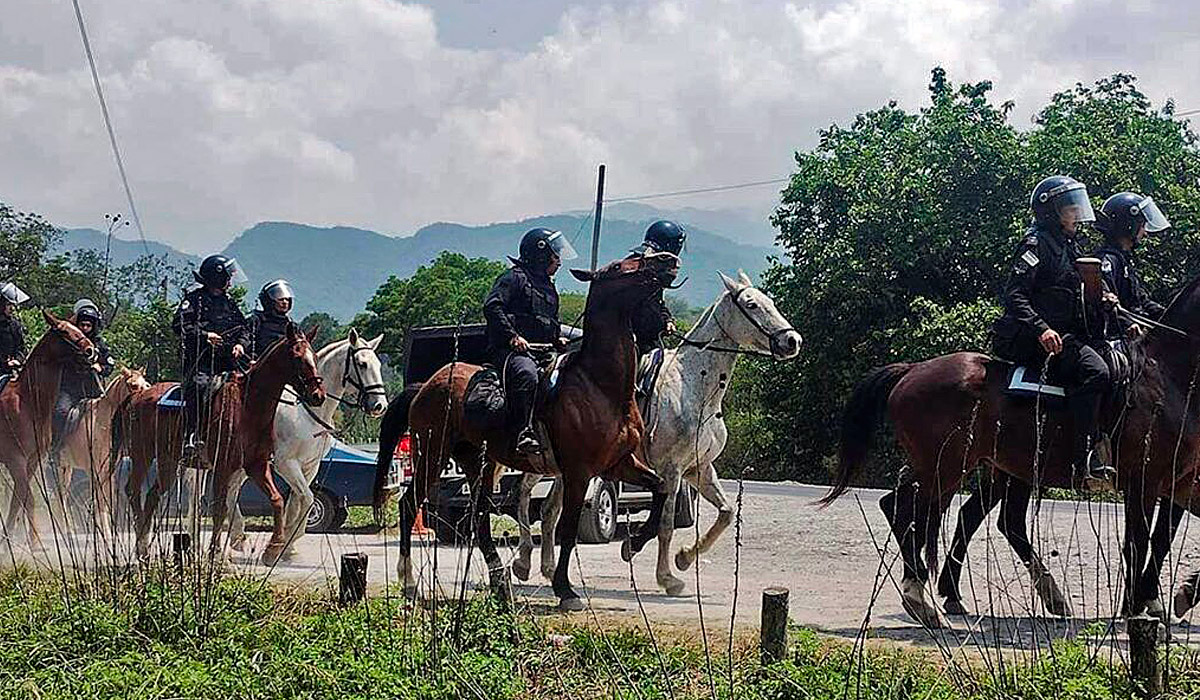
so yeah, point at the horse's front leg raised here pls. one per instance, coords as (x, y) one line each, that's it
(522, 564)
(259, 471)
(631, 470)
(707, 483)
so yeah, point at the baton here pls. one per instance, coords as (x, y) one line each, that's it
(1150, 322)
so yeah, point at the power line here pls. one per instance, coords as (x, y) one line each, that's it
(112, 137)
(1187, 113)
(700, 190)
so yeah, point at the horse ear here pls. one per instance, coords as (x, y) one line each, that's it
(375, 342)
(313, 332)
(731, 286)
(583, 275)
(353, 337)
(744, 278)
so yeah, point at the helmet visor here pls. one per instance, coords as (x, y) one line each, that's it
(1074, 205)
(561, 246)
(11, 292)
(1155, 220)
(279, 289)
(235, 272)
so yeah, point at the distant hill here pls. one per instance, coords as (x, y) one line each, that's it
(338, 269)
(123, 251)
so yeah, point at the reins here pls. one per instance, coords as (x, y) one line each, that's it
(362, 391)
(709, 346)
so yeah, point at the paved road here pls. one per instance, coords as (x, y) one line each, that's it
(837, 562)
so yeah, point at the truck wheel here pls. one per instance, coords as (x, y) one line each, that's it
(598, 521)
(325, 515)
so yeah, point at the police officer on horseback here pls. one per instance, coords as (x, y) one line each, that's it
(652, 319)
(80, 382)
(12, 333)
(214, 335)
(521, 312)
(269, 323)
(1125, 219)
(1045, 318)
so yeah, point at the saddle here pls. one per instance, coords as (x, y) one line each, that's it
(1024, 380)
(485, 405)
(647, 374)
(5, 379)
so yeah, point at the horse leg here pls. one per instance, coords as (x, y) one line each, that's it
(21, 497)
(984, 497)
(481, 504)
(551, 517)
(1139, 509)
(1013, 523)
(261, 474)
(907, 512)
(219, 510)
(1166, 524)
(299, 502)
(414, 497)
(632, 471)
(522, 564)
(709, 486)
(666, 530)
(574, 490)
(237, 521)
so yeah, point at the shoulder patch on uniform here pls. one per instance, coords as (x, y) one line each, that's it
(1030, 258)
(1106, 265)
(185, 305)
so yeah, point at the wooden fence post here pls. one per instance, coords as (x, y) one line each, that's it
(773, 629)
(1143, 654)
(352, 580)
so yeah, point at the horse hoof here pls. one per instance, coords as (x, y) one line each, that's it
(571, 604)
(953, 606)
(548, 573)
(520, 569)
(672, 586)
(271, 555)
(1156, 609)
(912, 597)
(1184, 601)
(627, 550)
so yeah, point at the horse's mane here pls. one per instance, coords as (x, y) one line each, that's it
(271, 350)
(331, 347)
(1181, 297)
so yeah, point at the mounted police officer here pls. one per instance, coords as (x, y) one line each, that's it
(12, 333)
(1044, 317)
(1125, 219)
(214, 336)
(652, 319)
(80, 382)
(522, 309)
(269, 323)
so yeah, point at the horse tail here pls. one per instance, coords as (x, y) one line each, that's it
(863, 414)
(391, 428)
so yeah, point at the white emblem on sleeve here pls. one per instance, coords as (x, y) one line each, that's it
(1030, 258)
(1106, 266)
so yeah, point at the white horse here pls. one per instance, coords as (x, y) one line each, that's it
(353, 375)
(685, 431)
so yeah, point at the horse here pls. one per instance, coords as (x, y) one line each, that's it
(591, 425)
(303, 435)
(88, 444)
(238, 430)
(950, 414)
(686, 425)
(26, 405)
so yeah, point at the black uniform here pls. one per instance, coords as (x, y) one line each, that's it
(650, 321)
(78, 382)
(1044, 292)
(12, 342)
(523, 302)
(203, 312)
(1121, 275)
(266, 327)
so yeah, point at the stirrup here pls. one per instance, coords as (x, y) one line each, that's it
(527, 443)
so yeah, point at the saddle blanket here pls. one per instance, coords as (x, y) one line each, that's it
(1026, 381)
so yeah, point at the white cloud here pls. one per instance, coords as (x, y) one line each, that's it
(354, 112)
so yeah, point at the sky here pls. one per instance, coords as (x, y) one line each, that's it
(391, 115)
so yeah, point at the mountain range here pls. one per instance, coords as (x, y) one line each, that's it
(338, 269)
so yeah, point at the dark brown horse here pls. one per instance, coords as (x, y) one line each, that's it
(593, 425)
(238, 434)
(26, 404)
(950, 415)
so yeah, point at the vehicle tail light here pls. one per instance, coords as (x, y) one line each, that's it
(403, 455)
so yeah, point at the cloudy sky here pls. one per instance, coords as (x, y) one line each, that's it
(390, 115)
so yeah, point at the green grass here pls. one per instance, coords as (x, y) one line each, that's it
(147, 636)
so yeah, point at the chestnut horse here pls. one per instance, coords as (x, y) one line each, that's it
(26, 404)
(592, 426)
(951, 414)
(238, 435)
(87, 448)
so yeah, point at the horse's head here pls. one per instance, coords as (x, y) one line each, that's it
(750, 319)
(69, 343)
(134, 379)
(302, 366)
(363, 372)
(628, 282)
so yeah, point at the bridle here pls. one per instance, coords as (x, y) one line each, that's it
(765, 332)
(362, 390)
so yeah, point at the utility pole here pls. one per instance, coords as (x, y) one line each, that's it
(599, 214)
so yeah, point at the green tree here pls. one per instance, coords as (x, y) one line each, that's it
(328, 328)
(449, 290)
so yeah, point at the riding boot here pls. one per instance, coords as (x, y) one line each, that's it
(527, 440)
(1092, 470)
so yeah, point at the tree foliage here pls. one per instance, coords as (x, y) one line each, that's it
(897, 227)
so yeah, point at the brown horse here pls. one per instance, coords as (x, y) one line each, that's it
(592, 425)
(238, 434)
(26, 404)
(951, 414)
(88, 445)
